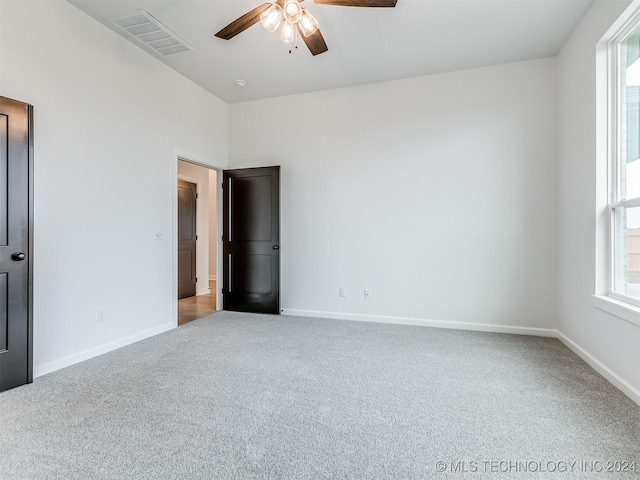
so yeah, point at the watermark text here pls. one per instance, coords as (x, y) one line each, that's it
(536, 466)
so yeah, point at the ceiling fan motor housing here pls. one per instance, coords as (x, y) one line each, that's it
(292, 11)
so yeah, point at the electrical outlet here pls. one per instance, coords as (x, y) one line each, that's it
(343, 292)
(367, 294)
(102, 316)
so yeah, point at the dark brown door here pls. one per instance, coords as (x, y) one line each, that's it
(16, 227)
(186, 239)
(251, 240)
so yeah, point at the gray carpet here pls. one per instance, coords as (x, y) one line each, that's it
(236, 396)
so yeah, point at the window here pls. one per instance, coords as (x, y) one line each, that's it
(625, 165)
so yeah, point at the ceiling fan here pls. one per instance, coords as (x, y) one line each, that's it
(292, 20)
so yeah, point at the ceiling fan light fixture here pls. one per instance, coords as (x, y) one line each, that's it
(271, 18)
(308, 24)
(292, 11)
(291, 18)
(287, 33)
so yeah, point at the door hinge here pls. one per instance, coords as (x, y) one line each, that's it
(196, 279)
(196, 195)
(223, 290)
(196, 237)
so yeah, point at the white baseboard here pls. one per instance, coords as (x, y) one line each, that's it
(39, 370)
(480, 327)
(212, 277)
(203, 291)
(622, 385)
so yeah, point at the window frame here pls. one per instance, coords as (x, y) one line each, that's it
(614, 200)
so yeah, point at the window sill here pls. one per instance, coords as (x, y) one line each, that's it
(618, 308)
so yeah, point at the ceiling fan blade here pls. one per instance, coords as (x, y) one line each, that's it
(242, 23)
(315, 42)
(359, 3)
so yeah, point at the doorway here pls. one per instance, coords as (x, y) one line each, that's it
(197, 245)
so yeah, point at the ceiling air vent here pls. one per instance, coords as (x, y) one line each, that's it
(149, 31)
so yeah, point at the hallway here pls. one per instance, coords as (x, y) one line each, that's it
(193, 308)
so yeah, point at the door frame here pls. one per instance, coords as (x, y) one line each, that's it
(201, 161)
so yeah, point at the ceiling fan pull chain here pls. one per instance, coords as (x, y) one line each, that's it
(295, 38)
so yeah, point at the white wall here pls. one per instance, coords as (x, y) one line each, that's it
(610, 343)
(108, 117)
(437, 193)
(200, 176)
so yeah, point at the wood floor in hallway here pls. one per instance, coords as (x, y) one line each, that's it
(193, 308)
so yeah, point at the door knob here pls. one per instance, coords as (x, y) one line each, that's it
(18, 257)
(276, 247)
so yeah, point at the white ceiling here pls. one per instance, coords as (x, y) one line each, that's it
(366, 45)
